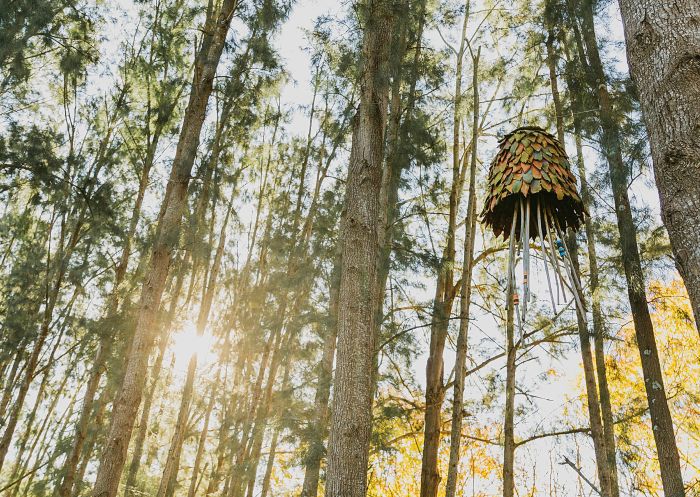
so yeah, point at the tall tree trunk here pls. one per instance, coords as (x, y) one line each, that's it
(269, 466)
(509, 417)
(312, 468)
(465, 296)
(167, 236)
(105, 344)
(261, 424)
(598, 325)
(592, 400)
(443, 301)
(663, 51)
(141, 434)
(10, 382)
(661, 421)
(351, 424)
(199, 455)
(53, 292)
(169, 479)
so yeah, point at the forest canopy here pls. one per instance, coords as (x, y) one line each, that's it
(371, 248)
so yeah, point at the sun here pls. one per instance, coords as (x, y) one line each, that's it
(186, 343)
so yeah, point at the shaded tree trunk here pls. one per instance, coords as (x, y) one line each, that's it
(661, 422)
(351, 424)
(315, 453)
(465, 297)
(70, 465)
(598, 327)
(592, 400)
(663, 51)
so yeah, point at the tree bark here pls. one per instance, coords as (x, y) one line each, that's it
(598, 326)
(167, 236)
(663, 51)
(351, 424)
(592, 400)
(443, 302)
(104, 346)
(141, 434)
(465, 297)
(315, 453)
(661, 421)
(509, 418)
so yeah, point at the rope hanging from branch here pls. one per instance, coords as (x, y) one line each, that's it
(532, 200)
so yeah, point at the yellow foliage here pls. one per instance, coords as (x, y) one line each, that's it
(679, 350)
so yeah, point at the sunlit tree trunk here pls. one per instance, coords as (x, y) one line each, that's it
(169, 478)
(269, 465)
(142, 432)
(201, 443)
(351, 423)
(509, 417)
(465, 296)
(167, 235)
(663, 50)
(445, 294)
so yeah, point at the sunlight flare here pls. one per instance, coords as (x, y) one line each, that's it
(186, 343)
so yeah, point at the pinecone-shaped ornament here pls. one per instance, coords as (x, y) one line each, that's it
(531, 164)
(532, 196)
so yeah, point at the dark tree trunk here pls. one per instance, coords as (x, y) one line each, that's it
(663, 51)
(661, 421)
(592, 401)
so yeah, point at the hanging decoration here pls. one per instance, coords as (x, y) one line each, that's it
(532, 200)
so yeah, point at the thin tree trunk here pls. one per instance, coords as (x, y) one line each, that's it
(351, 424)
(203, 438)
(63, 257)
(314, 456)
(10, 383)
(592, 401)
(443, 301)
(663, 51)
(661, 421)
(29, 419)
(509, 418)
(270, 463)
(167, 235)
(465, 297)
(598, 326)
(169, 479)
(261, 424)
(106, 340)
